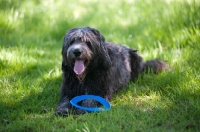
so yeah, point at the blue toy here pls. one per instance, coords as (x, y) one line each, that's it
(105, 103)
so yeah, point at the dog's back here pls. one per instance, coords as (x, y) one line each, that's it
(127, 64)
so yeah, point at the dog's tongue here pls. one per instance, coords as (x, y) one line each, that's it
(79, 67)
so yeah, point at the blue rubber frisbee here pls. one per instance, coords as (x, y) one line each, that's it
(106, 105)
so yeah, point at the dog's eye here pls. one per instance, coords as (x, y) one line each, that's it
(71, 42)
(89, 45)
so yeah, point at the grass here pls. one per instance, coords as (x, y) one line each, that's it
(31, 35)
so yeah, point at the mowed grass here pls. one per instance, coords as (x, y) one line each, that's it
(31, 34)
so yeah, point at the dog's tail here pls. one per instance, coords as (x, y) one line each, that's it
(155, 66)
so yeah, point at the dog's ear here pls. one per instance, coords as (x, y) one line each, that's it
(103, 52)
(64, 61)
(64, 52)
(64, 66)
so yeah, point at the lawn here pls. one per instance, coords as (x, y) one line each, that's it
(31, 33)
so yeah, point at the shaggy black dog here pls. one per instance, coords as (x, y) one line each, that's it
(91, 65)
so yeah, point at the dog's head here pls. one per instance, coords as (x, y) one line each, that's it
(84, 50)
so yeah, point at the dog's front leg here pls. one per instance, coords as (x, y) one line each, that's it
(64, 107)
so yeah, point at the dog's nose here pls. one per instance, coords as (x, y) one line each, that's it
(76, 52)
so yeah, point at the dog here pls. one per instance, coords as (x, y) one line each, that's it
(91, 65)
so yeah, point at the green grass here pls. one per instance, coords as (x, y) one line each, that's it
(31, 35)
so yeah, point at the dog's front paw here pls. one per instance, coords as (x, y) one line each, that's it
(64, 109)
(60, 111)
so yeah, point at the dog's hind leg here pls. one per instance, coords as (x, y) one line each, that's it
(138, 66)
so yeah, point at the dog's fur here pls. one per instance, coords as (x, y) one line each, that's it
(107, 68)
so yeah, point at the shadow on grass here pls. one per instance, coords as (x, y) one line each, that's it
(142, 115)
(40, 94)
(173, 100)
